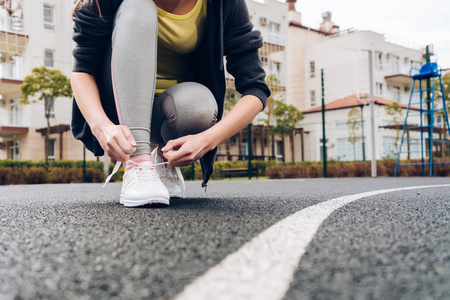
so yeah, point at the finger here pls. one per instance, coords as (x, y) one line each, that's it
(128, 135)
(115, 151)
(179, 158)
(123, 143)
(174, 143)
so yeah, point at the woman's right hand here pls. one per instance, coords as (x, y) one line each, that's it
(116, 140)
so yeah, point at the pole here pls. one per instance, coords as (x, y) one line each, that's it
(429, 116)
(84, 164)
(249, 147)
(324, 141)
(372, 115)
(362, 129)
(193, 171)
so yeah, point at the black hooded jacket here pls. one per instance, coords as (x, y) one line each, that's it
(229, 33)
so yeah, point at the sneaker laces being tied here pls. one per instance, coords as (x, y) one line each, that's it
(139, 165)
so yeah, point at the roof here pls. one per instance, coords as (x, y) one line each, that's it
(352, 101)
(299, 25)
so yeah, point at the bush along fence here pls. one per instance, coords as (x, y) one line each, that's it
(27, 172)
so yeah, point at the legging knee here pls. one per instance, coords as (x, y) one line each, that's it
(186, 108)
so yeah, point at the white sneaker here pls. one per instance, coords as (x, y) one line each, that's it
(142, 185)
(170, 176)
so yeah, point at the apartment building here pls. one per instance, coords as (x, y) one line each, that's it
(343, 59)
(269, 17)
(33, 34)
(38, 32)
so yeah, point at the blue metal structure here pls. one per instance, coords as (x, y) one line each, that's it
(426, 72)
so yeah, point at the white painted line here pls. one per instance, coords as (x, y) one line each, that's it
(263, 268)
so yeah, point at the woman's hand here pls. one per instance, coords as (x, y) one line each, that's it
(190, 149)
(116, 140)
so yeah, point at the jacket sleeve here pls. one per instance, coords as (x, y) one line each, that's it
(241, 44)
(91, 34)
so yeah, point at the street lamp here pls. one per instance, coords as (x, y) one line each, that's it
(362, 129)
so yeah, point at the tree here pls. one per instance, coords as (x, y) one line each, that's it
(396, 112)
(446, 85)
(287, 117)
(45, 84)
(353, 122)
(273, 82)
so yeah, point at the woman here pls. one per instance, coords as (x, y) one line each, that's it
(156, 68)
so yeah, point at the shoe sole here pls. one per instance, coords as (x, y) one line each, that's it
(134, 203)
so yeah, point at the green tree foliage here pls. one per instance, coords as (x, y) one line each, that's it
(287, 117)
(353, 122)
(45, 84)
(274, 83)
(446, 85)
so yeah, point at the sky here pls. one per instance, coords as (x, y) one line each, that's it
(418, 21)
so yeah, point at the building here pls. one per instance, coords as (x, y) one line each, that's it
(36, 33)
(338, 130)
(33, 34)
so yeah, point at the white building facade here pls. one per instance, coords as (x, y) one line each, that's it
(34, 34)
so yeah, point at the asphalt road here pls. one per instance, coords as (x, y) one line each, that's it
(77, 242)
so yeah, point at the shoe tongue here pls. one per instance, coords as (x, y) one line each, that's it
(146, 164)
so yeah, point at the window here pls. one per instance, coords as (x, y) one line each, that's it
(48, 17)
(378, 60)
(14, 150)
(312, 69)
(321, 149)
(51, 149)
(264, 60)
(15, 117)
(396, 93)
(389, 147)
(48, 58)
(395, 64)
(274, 34)
(313, 98)
(415, 64)
(50, 103)
(341, 125)
(274, 27)
(347, 151)
(279, 149)
(274, 67)
(379, 89)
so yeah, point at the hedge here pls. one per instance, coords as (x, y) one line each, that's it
(352, 169)
(28, 172)
(63, 171)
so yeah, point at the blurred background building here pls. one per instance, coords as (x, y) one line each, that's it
(298, 59)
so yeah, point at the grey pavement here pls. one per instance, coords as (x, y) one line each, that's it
(77, 242)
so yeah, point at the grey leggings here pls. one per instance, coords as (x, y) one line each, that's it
(185, 108)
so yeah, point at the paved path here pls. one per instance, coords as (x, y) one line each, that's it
(78, 242)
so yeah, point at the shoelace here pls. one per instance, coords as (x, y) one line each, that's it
(117, 167)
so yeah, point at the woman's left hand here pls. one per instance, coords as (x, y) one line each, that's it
(190, 149)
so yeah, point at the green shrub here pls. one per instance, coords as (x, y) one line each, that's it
(10, 176)
(35, 175)
(94, 175)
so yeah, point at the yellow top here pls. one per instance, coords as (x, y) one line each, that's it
(178, 35)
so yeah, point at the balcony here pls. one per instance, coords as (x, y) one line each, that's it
(273, 42)
(13, 123)
(10, 78)
(399, 79)
(12, 36)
